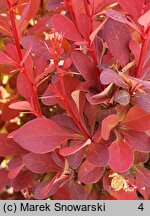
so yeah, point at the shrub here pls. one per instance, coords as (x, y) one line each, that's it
(75, 95)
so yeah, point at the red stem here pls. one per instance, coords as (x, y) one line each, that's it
(23, 70)
(143, 53)
(69, 5)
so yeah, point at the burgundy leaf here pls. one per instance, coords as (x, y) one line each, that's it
(62, 193)
(41, 136)
(48, 188)
(116, 16)
(89, 174)
(117, 36)
(110, 76)
(143, 101)
(8, 147)
(66, 27)
(75, 159)
(15, 166)
(39, 163)
(78, 192)
(98, 154)
(93, 110)
(139, 141)
(54, 4)
(122, 97)
(23, 87)
(121, 156)
(102, 97)
(66, 122)
(144, 175)
(86, 67)
(73, 149)
(23, 180)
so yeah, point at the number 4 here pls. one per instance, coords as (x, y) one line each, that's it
(141, 207)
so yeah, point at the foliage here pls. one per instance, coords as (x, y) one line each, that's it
(74, 99)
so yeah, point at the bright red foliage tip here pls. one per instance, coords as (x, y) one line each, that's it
(75, 99)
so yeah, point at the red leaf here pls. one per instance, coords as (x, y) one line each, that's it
(47, 189)
(89, 174)
(84, 26)
(65, 26)
(116, 16)
(15, 166)
(85, 67)
(139, 141)
(53, 94)
(30, 11)
(75, 159)
(20, 105)
(8, 147)
(5, 59)
(50, 96)
(41, 136)
(11, 51)
(93, 110)
(38, 163)
(62, 193)
(121, 156)
(134, 7)
(66, 122)
(4, 26)
(102, 97)
(7, 113)
(135, 48)
(22, 87)
(110, 76)
(108, 124)
(98, 154)
(117, 36)
(98, 47)
(137, 119)
(78, 192)
(38, 46)
(144, 175)
(73, 149)
(23, 180)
